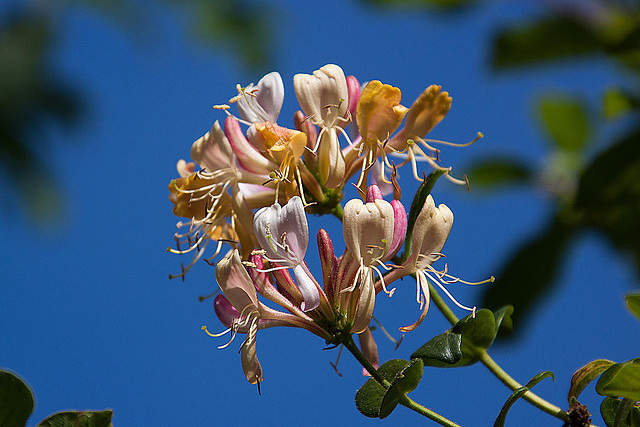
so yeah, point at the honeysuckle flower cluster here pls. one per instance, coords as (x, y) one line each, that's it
(251, 189)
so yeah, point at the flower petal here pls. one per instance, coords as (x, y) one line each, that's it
(379, 112)
(432, 227)
(248, 156)
(263, 101)
(323, 96)
(235, 283)
(213, 151)
(427, 111)
(368, 229)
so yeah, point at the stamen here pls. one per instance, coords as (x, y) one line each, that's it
(202, 298)
(453, 144)
(388, 335)
(335, 365)
(204, 328)
(441, 286)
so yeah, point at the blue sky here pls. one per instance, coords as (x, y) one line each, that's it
(89, 319)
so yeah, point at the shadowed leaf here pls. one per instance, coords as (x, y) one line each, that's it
(16, 401)
(504, 323)
(530, 271)
(551, 38)
(369, 397)
(498, 172)
(633, 302)
(608, 194)
(442, 351)
(565, 120)
(619, 413)
(404, 383)
(583, 376)
(78, 419)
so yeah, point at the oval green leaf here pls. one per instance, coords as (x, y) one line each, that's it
(442, 351)
(404, 383)
(78, 419)
(621, 380)
(369, 397)
(583, 376)
(565, 120)
(16, 400)
(633, 303)
(626, 414)
(616, 103)
(477, 331)
(498, 172)
(504, 323)
(418, 203)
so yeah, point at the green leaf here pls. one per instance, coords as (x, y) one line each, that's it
(544, 40)
(517, 394)
(623, 411)
(529, 273)
(16, 400)
(369, 397)
(459, 345)
(565, 121)
(419, 198)
(633, 302)
(583, 376)
(404, 382)
(615, 103)
(477, 331)
(498, 172)
(79, 419)
(504, 323)
(442, 351)
(608, 194)
(621, 380)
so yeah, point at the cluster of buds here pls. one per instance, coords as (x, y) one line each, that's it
(254, 188)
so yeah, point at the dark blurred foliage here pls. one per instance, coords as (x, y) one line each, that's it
(33, 97)
(594, 185)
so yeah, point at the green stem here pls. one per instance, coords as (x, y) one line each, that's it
(405, 400)
(338, 211)
(495, 369)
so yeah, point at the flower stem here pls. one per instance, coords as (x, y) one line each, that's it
(405, 400)
(495, 369)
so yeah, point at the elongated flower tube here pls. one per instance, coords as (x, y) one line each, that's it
(432, 227)
(324, 98)
(283, 233)
(368, 235)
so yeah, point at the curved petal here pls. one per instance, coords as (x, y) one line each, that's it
(308, 289)
(263, 101)
(283, 232)
(427, 111)
(368, 229)
(213, 151)
(379, 112)
(323, 96)
(432, 227)
(236, 283)
(399, 227)
(331, 164)
(248, 155)
(424, 288)
(250, 364)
